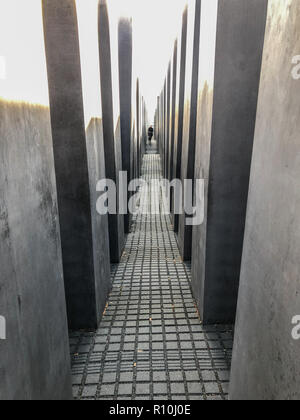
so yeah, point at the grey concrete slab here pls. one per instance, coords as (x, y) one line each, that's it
(125, 78)
(179, 105)
(164, 147)
(170, 176)
(266, 357)
(167, 128)
(157, 122)
(79, 240)
(161, 125)
(134, 149)
(34, 359)
(143, 128)
(111, 121)
(138, 127)
(228, 91)
(96, 165)
(189, 119)
(88, 38)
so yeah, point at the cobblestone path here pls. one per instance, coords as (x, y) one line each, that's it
(151, 344)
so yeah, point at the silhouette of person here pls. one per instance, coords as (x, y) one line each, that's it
(150, 133)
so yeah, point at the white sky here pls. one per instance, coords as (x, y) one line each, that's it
(23, 62)
(156, 24)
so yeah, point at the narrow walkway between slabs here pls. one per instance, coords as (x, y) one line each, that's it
(151, 344)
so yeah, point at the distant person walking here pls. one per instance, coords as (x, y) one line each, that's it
(150, 133)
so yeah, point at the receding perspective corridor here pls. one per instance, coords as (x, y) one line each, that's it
(151, 344)
(149, 203)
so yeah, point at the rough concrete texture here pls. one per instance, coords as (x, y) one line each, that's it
(168, 110)
(266, 358)
(134, 150)
(164, 113)
(161, 123)
(34, 359)
(227, 154)
(145, 126)
(112, 144)
(138, 127)
(71, 164)
(96, 162)
(172, 122)
(179, 106)
(189, 120)
(203, 137)
(125, 78)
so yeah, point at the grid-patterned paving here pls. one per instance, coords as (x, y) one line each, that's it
(151, 344)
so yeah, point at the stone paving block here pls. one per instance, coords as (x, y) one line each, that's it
(160, 388)
(195, 388)
(109, 378)
(159, 376)
(143, 376)
(92, 380)
(143, 389)
(107, 390)
(179, 397)
(177, 388)
(125, 389)
(212, 388)
(89, 391)
(197, 398)
(126, 377)
(208, 375)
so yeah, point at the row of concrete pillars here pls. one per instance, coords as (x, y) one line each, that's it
(56, 250)
(85, 245)
(227, 115)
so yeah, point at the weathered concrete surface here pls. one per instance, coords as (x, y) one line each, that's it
(266, 358)
(157, 123)
(161, 125)
(138, 128)
(164, 124)
(161, 119)
(226, 157)
(145, 126)
(34, 359)
(111, 120)
(71, 165)
(96, 163)
(134, 149)
(203, 140)
(172, 122)
(179, 106)
(190, 117)
(168, 110)
(125, 77)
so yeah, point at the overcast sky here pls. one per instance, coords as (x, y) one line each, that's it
(156, 24)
